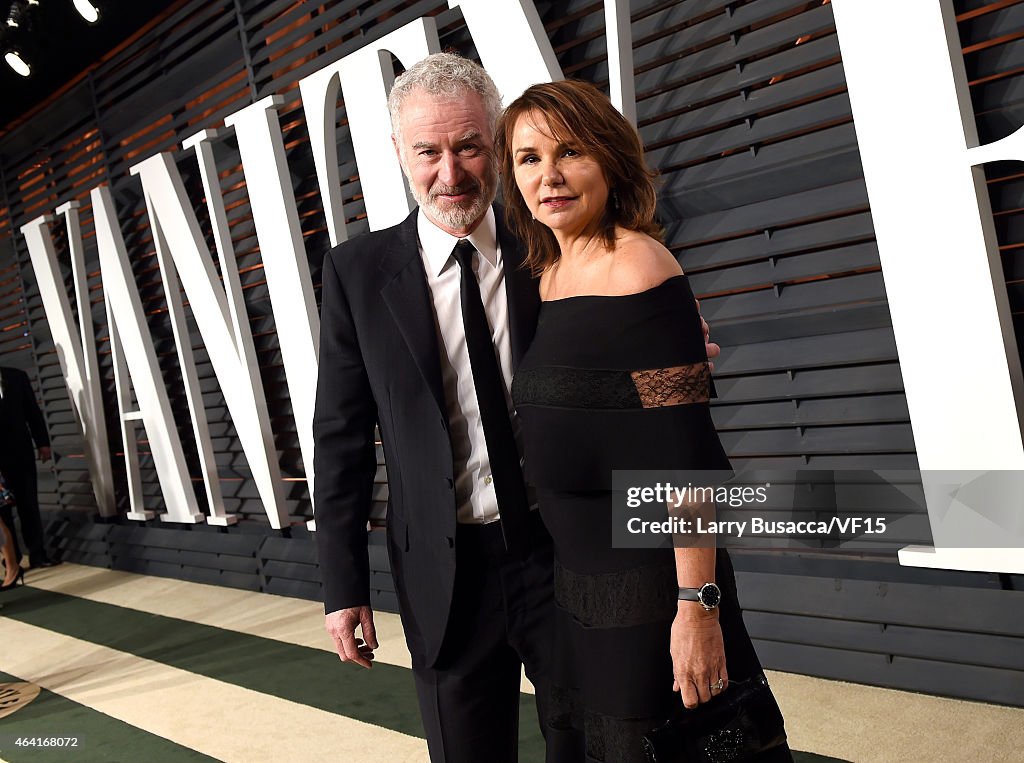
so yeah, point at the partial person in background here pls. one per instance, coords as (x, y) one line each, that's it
(617, 377)
(21, 422)
(12, 572)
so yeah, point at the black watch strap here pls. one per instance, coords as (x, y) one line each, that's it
(689, 594)
(708, 595)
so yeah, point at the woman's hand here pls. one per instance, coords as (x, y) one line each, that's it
(698, 654)
(713, 350)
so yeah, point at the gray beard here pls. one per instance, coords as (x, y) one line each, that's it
(453, 215)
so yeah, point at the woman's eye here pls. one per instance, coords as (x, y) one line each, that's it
(570, 152)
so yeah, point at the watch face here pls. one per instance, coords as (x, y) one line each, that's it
(710, 595)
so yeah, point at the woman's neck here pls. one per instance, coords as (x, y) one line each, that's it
(579, 247)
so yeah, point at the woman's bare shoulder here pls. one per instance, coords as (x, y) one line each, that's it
(640, 263)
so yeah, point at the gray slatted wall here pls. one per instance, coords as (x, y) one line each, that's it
(743, 108)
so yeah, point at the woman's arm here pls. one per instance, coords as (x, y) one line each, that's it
(698, 651)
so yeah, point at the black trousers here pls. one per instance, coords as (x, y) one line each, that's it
(20, 477)
(499, 622)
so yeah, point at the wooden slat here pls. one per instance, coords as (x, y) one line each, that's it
(892, 603)
(931, 677)
(673, 86)
(808, 384)
(854, 348)
(817, 412)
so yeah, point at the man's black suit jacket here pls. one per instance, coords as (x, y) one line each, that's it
(21, 421)
(380, 364)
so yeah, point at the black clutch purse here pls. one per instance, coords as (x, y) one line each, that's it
(740, 723)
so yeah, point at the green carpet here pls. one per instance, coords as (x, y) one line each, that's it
(100, 737)
(384, 696)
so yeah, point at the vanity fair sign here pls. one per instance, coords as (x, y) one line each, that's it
(943, 274)
(514, 49)
(957, 261)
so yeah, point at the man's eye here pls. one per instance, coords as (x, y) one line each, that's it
(469, 148)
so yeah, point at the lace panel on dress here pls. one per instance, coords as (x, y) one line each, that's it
(617, 599)
(678, 385)
(607, 738)
(616, 740)
(564, 710)
(612, 389)
(574, 388)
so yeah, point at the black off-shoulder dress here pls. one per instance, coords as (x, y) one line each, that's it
(618, 382)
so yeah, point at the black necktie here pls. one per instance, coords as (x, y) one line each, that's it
(490, 395)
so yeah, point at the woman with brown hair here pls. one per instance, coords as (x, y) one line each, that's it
(617, 378)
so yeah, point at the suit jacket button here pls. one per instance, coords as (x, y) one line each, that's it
(451, 541)
(451, 482)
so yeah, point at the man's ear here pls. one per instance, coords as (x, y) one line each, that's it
(398, 153)
(398, 150)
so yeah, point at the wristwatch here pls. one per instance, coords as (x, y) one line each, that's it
(709, 595)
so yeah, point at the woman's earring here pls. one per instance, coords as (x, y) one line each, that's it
(615, 199)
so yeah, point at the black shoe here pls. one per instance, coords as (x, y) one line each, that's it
(20, 578)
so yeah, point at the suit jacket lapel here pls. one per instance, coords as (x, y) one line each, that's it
(520, 288)
(407, 296)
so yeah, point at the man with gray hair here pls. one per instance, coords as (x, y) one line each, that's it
(422, 326)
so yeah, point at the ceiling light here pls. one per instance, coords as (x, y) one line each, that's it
(88, 11)
(16, 62)
(16, 14)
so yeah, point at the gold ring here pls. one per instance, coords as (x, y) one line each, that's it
(718, 685)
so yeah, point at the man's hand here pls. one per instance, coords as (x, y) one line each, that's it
(712, 349)
(44, 453)
(342, 623)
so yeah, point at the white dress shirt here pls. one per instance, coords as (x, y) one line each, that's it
(474, 487)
